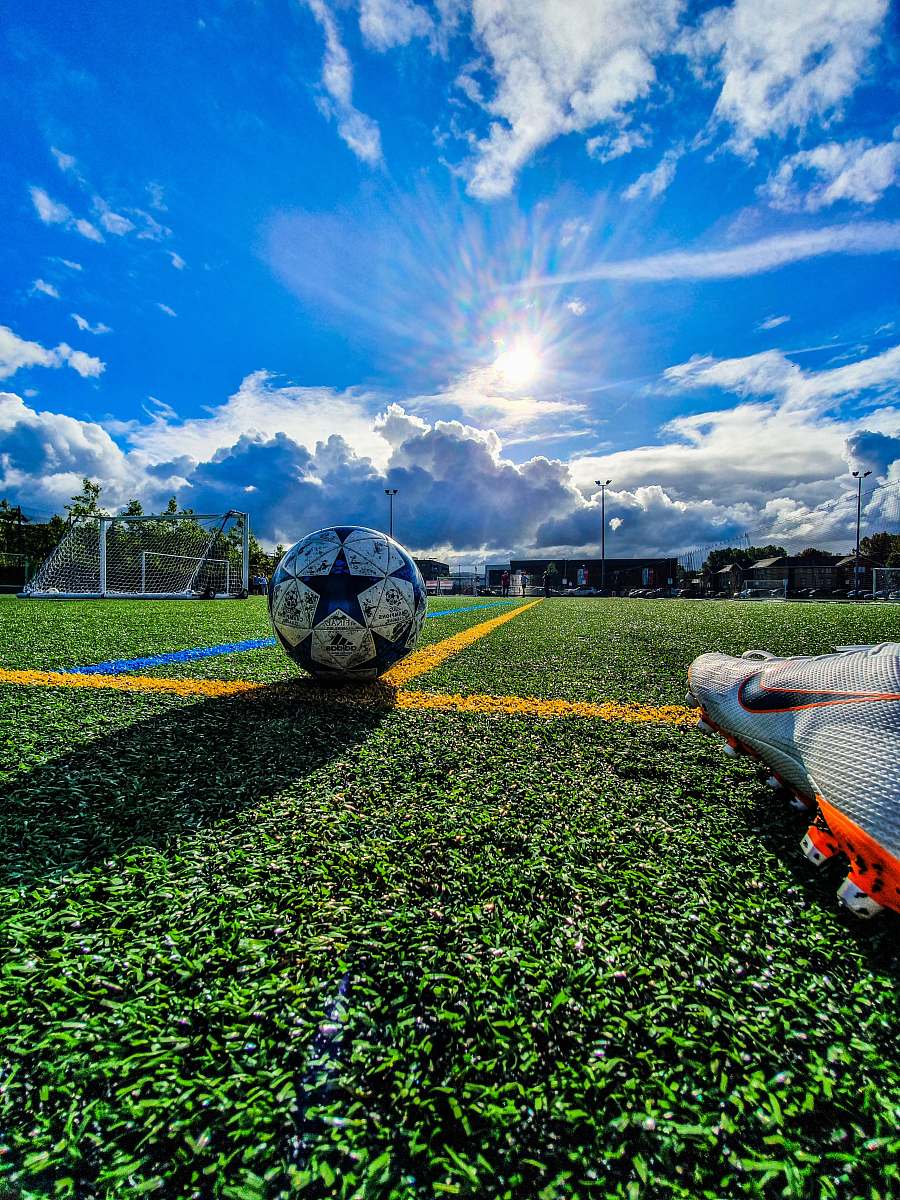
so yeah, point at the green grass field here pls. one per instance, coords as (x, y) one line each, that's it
(262, 946)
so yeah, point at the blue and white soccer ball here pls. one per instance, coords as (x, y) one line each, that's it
(347, 603)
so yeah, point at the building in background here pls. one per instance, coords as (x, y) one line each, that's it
(622, 574)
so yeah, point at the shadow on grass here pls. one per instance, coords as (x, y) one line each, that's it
(781, 828)
(159, 778)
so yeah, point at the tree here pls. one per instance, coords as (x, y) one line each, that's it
(812, 552)
(172, 506)
(87, 502)
(134, 508)
(880, 546)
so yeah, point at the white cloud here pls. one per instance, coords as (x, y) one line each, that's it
(775, 467)
(388, 23)
(608, 146)
(576, 306)
(177, 261)
(359, 131)
(783, 64)
(87, 366)
(771, 373)
(112, 222)
(87, 230)
(653, 183)
(170, 312)
(772, 322)
(45, 288)
(49, 211)
(857, 171)
(73, 266)
(86, 327)
(750, 258)
(65, 162)
(766, 466)
(561, 67)
(16, 353)
(53, 213)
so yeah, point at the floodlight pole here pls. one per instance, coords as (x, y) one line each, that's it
(603, 485)
(391, 493)
(859, 477)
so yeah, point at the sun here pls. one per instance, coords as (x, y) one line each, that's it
(519, 365)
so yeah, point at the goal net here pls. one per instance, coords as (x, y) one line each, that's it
(172, 556)
(886, 583)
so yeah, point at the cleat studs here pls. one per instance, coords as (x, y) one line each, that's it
(774, 783)
(859, 902)
(816, 847)
(729, 750)
(704, 727)
(691, 700)
(800, 803)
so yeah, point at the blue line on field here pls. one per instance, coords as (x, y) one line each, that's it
(118, 666)
(451, 612)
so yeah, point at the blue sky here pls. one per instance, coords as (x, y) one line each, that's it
(281, 255)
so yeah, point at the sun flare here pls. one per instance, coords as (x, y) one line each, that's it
(519, 365)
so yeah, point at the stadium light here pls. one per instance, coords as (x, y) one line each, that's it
(602, 484)
(391, 493)
(859, 477)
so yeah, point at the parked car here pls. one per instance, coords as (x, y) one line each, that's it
(895, 595)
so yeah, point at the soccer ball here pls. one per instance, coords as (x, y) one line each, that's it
(347, 603)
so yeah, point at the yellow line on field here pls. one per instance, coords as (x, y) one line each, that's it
(376, 694)
(533, 706)
(430, 656)
(130, 683)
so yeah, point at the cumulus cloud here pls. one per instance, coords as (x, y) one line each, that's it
(560, 67)
(359, 131)
(177, 261)
(783, 64)
(17, 353)
(654, 182)
(457, 489)
(388, 23)
(773, 322)
(858, 171)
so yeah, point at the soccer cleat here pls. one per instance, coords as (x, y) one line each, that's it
(828, 727)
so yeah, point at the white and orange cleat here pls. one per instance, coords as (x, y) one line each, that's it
(828, 727)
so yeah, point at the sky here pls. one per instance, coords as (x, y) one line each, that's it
(279, 256)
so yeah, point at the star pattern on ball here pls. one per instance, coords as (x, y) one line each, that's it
(347, 602)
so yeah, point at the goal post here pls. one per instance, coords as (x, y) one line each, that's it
(164, 557)
(885, 583)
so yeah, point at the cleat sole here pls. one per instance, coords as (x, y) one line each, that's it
(817, 847)
(858, 901)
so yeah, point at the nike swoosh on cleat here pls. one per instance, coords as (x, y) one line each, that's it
(754, 696)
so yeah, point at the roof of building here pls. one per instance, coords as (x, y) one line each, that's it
(767, 562)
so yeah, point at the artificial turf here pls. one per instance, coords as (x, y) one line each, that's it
(256, 948)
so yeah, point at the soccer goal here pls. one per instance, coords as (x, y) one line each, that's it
(166, 557)
(886, 583)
